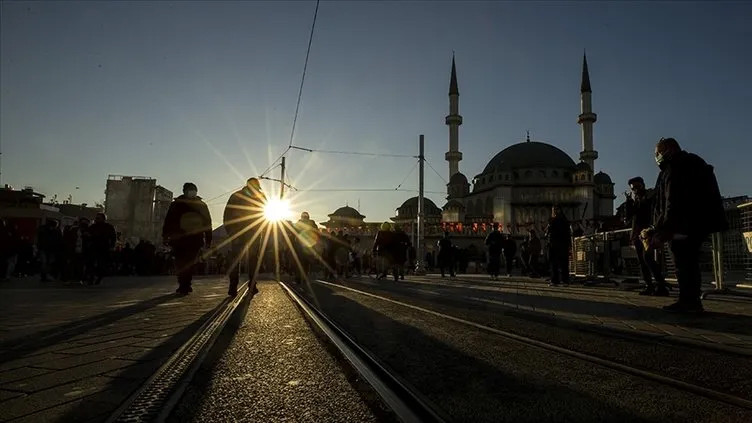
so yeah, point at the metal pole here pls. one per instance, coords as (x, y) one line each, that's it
(419, 268)
(282, 180)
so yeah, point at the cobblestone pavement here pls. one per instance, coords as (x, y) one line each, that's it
(74, 353)
(726, 324)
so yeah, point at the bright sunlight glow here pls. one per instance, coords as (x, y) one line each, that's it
(276, 210)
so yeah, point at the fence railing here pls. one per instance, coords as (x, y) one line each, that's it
(726, 258)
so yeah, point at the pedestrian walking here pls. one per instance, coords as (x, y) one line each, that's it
(494, 245)
(559, 244)
(102, 239)
(49, 247)
(243, 219)
(510, 251)
(689, 207)
(446, 255)
(534, 249)
(187, 229)
(639, 210)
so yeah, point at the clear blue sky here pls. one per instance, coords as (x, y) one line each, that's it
(206, 91)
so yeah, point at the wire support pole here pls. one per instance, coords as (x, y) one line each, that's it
(419, 269)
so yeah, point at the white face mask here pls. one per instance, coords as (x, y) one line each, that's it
(191, 193)
(659, 159)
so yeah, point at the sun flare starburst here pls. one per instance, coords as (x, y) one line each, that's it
(276, 210)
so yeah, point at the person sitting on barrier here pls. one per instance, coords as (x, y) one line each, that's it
(559, 243)
(688, 208)
(639, 209)
(495, 244)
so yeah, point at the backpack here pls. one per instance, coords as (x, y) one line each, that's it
(710, 212)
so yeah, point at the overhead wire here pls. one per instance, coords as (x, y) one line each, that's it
(302, 79)
(408, 175)
(434, 171)
(354, 153)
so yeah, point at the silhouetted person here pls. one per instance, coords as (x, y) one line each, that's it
(102, 238)
(244, 221)
(510, 250)
(446, 255)
(534, 249)
(49, 247)
(688, 208)
(402, 246)
(495, 244)
(306, 239)
(559, 242)
(639, 209)
(5, 248)
(76, 240)
(385, 246)
(187, 229)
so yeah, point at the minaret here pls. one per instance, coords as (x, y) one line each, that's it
(454, 120)
(587, 118)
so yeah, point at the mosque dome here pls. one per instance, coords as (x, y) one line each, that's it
(458, 178)
(410, 208)
(347, 211)
(530, 154)
(601, 178)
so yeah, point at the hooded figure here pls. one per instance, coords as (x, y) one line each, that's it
(187, 229)
(243, 219)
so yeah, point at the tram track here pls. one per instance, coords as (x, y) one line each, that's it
(709, 393)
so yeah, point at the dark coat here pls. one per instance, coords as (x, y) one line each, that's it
(510, 247)
(244, 209)
(495, 243)
(559, 233)
(685, 204)
(102, 236)
(188, 223)
(640, 212)
(49, 239)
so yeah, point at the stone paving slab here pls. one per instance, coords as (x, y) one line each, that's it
(87, 349)
(727, 322)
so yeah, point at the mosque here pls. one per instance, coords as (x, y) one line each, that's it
(518, 186)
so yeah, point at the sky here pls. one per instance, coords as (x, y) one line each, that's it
(206, 92)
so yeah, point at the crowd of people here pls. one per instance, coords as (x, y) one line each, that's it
(680, 212)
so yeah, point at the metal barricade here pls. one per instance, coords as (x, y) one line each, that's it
(597, 258)
(732, 254)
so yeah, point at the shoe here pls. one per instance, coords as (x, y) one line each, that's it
(181, 291)
(553, 284)
(255, 291)
(661, 291)
(650, 290)
(232, 293)
(684, 307)
(190, 288)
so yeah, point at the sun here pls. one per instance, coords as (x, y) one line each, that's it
(276, 210)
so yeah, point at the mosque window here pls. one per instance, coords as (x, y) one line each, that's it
(491, 178)
(528, 174)
(588, 177)
(516, 176)
(555, 174)
(506, 177)
(542, 173)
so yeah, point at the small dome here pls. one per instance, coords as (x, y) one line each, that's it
(601, 178)
(347, 211)
(458, 178)
(412, 203)
(529, 154)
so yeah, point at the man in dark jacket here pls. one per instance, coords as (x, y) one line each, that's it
(187, 229)
(495, 244)
(244, 221)
(446, 255)
(102, 238)
(49, 246)
(385, 246)
(559, 243)
(402, 251)
(534, 249)
(639, 209)
(688, 208)
(305, 242)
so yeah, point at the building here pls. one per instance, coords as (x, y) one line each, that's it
(136, 206)
(520, 184)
